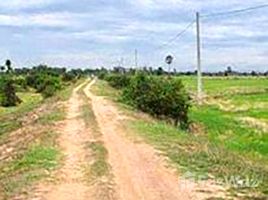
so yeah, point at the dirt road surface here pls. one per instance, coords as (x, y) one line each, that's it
(73, 135)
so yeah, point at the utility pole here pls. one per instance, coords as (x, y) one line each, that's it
(136, 59)
(199, 72)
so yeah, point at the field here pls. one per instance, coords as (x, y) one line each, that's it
(85, 137)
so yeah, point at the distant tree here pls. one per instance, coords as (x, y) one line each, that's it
(229, 69)
(253, 73)
(159, 71)
(2, 68)
(8, 64)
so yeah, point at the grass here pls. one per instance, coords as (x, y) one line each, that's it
(100, 167)
(227, 85)
(50, 118)
(35, 163)
(223, 128)
(203, 157)
(102, 88)
(29, 101)
(224, 148)
(9, 117)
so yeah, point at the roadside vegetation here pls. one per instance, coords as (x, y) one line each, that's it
(218, 145)
(163, 98)
(28, 147)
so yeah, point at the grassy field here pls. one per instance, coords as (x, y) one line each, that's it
(227, 85)
(222, 146)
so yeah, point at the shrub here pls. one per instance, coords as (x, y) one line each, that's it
(47, 85)
(8, 95)
(160, 97)
(68, 76)
(20, 83)
(118, 81)
(102, 75)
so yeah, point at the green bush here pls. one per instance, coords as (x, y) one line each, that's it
(20, 83)
(160, 97)
(47, 85)
(68, 76)
(102, 75)
(118, 81)
(8, 95)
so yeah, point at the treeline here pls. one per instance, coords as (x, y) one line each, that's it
(160, 71)
(163, 98)
(43, 79)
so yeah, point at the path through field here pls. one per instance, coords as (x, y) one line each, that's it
(70, 183)
(139, 173)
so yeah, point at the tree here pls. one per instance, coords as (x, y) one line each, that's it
(8, 95)
(2, 68)
(160, 71)
(8, 64)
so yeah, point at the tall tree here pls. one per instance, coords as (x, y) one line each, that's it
(8, 64)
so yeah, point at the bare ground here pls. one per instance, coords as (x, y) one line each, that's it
(138, 171)
(70, 184)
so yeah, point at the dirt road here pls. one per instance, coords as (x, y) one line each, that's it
(139, 172)
(73, 135)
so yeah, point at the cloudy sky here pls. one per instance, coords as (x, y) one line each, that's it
(90, 33)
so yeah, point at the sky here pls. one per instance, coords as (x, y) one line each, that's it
(96, 33)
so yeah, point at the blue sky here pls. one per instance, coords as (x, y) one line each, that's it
(89, 33)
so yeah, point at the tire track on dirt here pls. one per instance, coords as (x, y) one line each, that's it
(139, 172)
(70, 183)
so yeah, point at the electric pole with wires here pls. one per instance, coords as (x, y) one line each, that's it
(199, 72)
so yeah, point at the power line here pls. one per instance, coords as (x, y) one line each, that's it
(231, 12)
(178, 35)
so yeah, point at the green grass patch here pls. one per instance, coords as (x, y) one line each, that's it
(223, 128)
(202, 157)
(227, 85)
(10, 117)
(33, 164)
(29, 101)
(102, 88)
(100, 166)
(56, 115)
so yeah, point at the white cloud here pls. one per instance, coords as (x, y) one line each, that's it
(20, 4)
(58, 19)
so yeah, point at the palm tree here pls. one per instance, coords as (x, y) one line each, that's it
(8, 64)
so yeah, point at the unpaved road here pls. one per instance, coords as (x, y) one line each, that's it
(139, 173)
(73, 135)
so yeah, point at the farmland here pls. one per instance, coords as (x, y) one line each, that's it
(89, 136)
